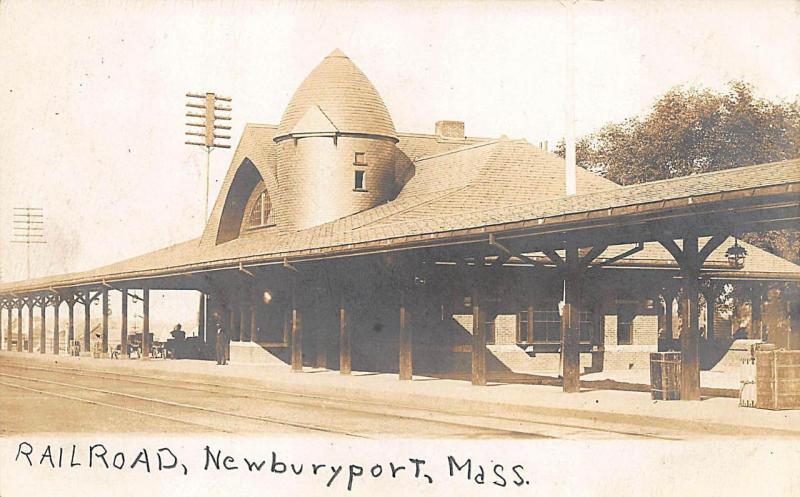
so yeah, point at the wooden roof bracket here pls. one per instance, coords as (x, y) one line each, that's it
(494, 243)
(245, 271)
(638, 248)
(287, 265)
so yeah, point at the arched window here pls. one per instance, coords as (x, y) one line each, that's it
(259, 212)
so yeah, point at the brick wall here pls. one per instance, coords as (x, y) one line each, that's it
(645, 330)
(505, 329)
(627, 359)
(610, 330)
(450, 129)
(465, 320)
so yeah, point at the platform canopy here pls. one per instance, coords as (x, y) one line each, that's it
(760, 197)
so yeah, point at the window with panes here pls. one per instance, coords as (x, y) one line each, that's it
(547, 325)
(259, 212)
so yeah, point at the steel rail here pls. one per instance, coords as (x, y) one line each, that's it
(113, 406)
(306, 404)
(344, 404)
(154, 400)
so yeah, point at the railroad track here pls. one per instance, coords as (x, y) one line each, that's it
(330, 412)
(20, 383)
(480, 425)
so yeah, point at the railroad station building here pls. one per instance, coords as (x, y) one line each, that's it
(338, 242)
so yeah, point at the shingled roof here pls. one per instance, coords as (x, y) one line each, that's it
(486, 176)
(390, 224)
(344, 95)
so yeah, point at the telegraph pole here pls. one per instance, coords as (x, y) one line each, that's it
(28, 228)
(211, 104)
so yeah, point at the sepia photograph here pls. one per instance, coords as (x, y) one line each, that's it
(543, 247)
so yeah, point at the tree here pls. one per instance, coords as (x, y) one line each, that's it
(690, 131)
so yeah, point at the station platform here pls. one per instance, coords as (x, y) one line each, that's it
(712, 416)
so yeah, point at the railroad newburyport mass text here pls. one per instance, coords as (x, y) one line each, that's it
(329, 474)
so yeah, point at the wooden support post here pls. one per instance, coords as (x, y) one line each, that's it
(321, 338)
(570, 322)
(244, 335)
(201, 317)
(297, 338)
(104, 303)
(145, 323)
(123, 328)
(30, 326)
(406, 336)
(70, 323)
(19, 328)
(87, 322)
(478, 337)
(254, 320)
(287, 324)
(56, 325)
(43, 327)
(690, 347)
(297, 327)
(345, 358)
(226, 315)
(8, 345)
(234, 331)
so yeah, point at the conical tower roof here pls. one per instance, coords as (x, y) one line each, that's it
(346, 97)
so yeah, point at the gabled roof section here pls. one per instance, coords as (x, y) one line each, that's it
(488, 175)
(314, 122)
(454, 168)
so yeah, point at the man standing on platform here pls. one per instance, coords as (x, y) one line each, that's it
(222, 341)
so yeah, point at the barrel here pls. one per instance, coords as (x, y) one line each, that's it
(665, 375)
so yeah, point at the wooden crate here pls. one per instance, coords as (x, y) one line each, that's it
(778, 379)
(665, 375)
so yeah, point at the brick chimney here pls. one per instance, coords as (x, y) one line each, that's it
(450, 129)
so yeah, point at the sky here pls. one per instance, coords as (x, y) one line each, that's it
(92, 93)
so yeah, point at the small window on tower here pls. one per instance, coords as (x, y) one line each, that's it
(360, 159)
(359, 181)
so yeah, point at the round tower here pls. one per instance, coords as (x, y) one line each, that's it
(335, 147)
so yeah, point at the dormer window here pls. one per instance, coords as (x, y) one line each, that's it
(259, 213)
(360, 159)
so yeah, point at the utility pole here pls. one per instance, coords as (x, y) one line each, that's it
(209, 103)
(28, 228)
